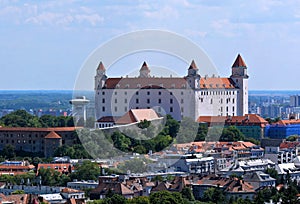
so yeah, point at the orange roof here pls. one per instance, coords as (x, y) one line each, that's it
(101, 67)
(287, 144)
(53, 135)
(288, 122)
(60, 167)
(235, 120)
(239, 62)
(193, 65)
(137, 115)
(216, 83)
(167, 82)
(33, 129)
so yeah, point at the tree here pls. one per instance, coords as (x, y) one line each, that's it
(139, 200)
(18, 192)
(86, 171)
(214, 195)
(144, 124)
(166, 197)
(187, 194)
(232, 134)
(9, 151)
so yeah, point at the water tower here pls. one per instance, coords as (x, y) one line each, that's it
(79, 108)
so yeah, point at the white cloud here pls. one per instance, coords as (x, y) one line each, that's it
(165, 12)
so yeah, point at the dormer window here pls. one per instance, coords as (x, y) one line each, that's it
(173, 86)
(127, 86)
(118, 86)
(138, 85)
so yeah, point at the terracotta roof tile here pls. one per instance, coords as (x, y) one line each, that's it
(52, 135)
(239, 62)
(32, 129)
(137, 115)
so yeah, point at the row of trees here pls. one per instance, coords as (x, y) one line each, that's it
(21, 118)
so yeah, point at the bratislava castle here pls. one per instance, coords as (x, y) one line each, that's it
(189, 96)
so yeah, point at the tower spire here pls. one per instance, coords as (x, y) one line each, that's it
(101, 67)
(239, 62)
(193, 65)
(144, 71)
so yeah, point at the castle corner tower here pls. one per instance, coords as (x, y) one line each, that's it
(240, 78)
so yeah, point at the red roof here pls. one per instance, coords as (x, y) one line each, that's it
(137, 115)
(239, 62)
(248, 119)
(287, 145)
(53, 135)
(193, 65)
(60, 167)
(288, 122)
(33, 129)
(101, 67)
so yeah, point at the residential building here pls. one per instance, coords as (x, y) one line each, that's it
(189, 96)
(41, 141)
(251, 125)
(283, 129)
(194, 165)
(259, 180)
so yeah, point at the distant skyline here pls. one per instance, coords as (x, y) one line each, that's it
(45, 43)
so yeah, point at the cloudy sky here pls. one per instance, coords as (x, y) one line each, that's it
(45, 43)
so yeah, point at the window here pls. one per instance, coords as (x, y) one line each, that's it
(137, 100)
(181, 92)
(171, 101)
(137, 93)
(125, 109)
(159, 93)
(148, 92)
(181, 109)
(103, 93)
(171, 93)
(116, 100)
(148, 100)
(103, 100)
(116, 108)
(125, 100)
(103, 108)
(182, 100)
(115, 93)
(125, 92)
(159, 100)
(171, 109)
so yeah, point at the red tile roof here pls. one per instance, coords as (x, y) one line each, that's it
(288, 122)
(137, 115)
(167, 83)
(287, 145)
(101, 67)
(60, 167)
(193, 65)
(248, 119)
(33, 129)
(52, 135)
(239, 62)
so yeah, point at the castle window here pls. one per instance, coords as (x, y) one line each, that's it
(211, 101)
(171, 93)
(125, 92)
(137, 100)
(148, 92)
(171, 109)
(148, 100)
(159, 100)
(137, 93)
(232, 108)
(125, 100)
(181, 92)
(171, 101)
(116, 100)
(103, 108)
(103, 100)
(115, 93)
(182, 100)
(233, 100)
(125, 109)
(221, 100)
(103, 93)
(159, 93)
(181, 109)
(116, 108)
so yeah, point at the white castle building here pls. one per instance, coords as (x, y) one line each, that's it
(189, 96)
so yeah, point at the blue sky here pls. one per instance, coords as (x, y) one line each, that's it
(45, 43)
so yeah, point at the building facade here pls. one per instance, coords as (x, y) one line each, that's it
(189, 96)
